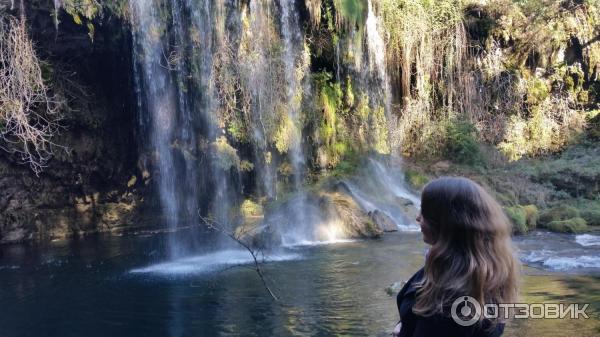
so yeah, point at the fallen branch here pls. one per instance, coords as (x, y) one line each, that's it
(213, 225)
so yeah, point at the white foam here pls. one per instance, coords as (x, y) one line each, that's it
(553, 260)
(209, 262)
(409, 228)
(587, 240)
(567, 263)
(537, 256)
(304, 243)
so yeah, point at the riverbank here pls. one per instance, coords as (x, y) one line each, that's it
(556, 192)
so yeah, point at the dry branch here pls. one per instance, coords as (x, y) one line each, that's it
(214, 225)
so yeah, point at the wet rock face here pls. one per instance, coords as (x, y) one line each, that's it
(84, 189)
(76, 199)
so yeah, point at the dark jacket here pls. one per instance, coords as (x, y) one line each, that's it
(437, 325)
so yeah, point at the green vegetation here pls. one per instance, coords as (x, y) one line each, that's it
(530, 93)
(523, 218)
(345, 168)
(573, 225)
(518, 218)
(415, 179)
(587, 209)
(350, 13)
(225, 155)
(558, 213)
(84, 12)
(532, 215)
(249, 209)
(461, 144)
(593, 123)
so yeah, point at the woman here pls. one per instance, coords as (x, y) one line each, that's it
(471, 254)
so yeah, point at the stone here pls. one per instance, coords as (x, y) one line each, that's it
(383, 221)
(441, 166)
(354, 221)
(394, 288)
(407, 207)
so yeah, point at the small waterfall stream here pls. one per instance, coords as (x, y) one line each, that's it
(157, 97)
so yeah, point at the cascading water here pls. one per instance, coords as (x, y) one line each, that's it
(292, 42)
(158, 105)
(202, 69)
(176, 106)
(376, 47)
(379, 188)
(292, 37)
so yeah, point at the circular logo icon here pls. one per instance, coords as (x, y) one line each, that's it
(466, 311)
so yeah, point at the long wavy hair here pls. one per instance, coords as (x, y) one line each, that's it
(472, 252)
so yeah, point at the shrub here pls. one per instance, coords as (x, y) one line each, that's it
(345, 168)
(518, 217)
(558, 213)
(573, 225)
(593, 127)
(589, 211)
(246, 166)
(224, 154)
(287, 135)
(415, 178)
(550, 127)
(250, 208)
(591, 216)
(532, 215)
(461, 144)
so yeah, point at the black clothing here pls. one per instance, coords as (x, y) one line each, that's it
(437, 325)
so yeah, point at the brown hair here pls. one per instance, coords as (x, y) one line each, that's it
(472, 253)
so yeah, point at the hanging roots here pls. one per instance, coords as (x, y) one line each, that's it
(29, 114)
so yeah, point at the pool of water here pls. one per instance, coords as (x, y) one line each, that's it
(124, 286)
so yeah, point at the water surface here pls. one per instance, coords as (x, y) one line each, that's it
(125, 286)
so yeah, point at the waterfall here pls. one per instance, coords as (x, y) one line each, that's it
(222, 88)
(293, 41)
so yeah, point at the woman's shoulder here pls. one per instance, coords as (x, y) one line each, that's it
(410, 285)
(418, 275)
(406, 297)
